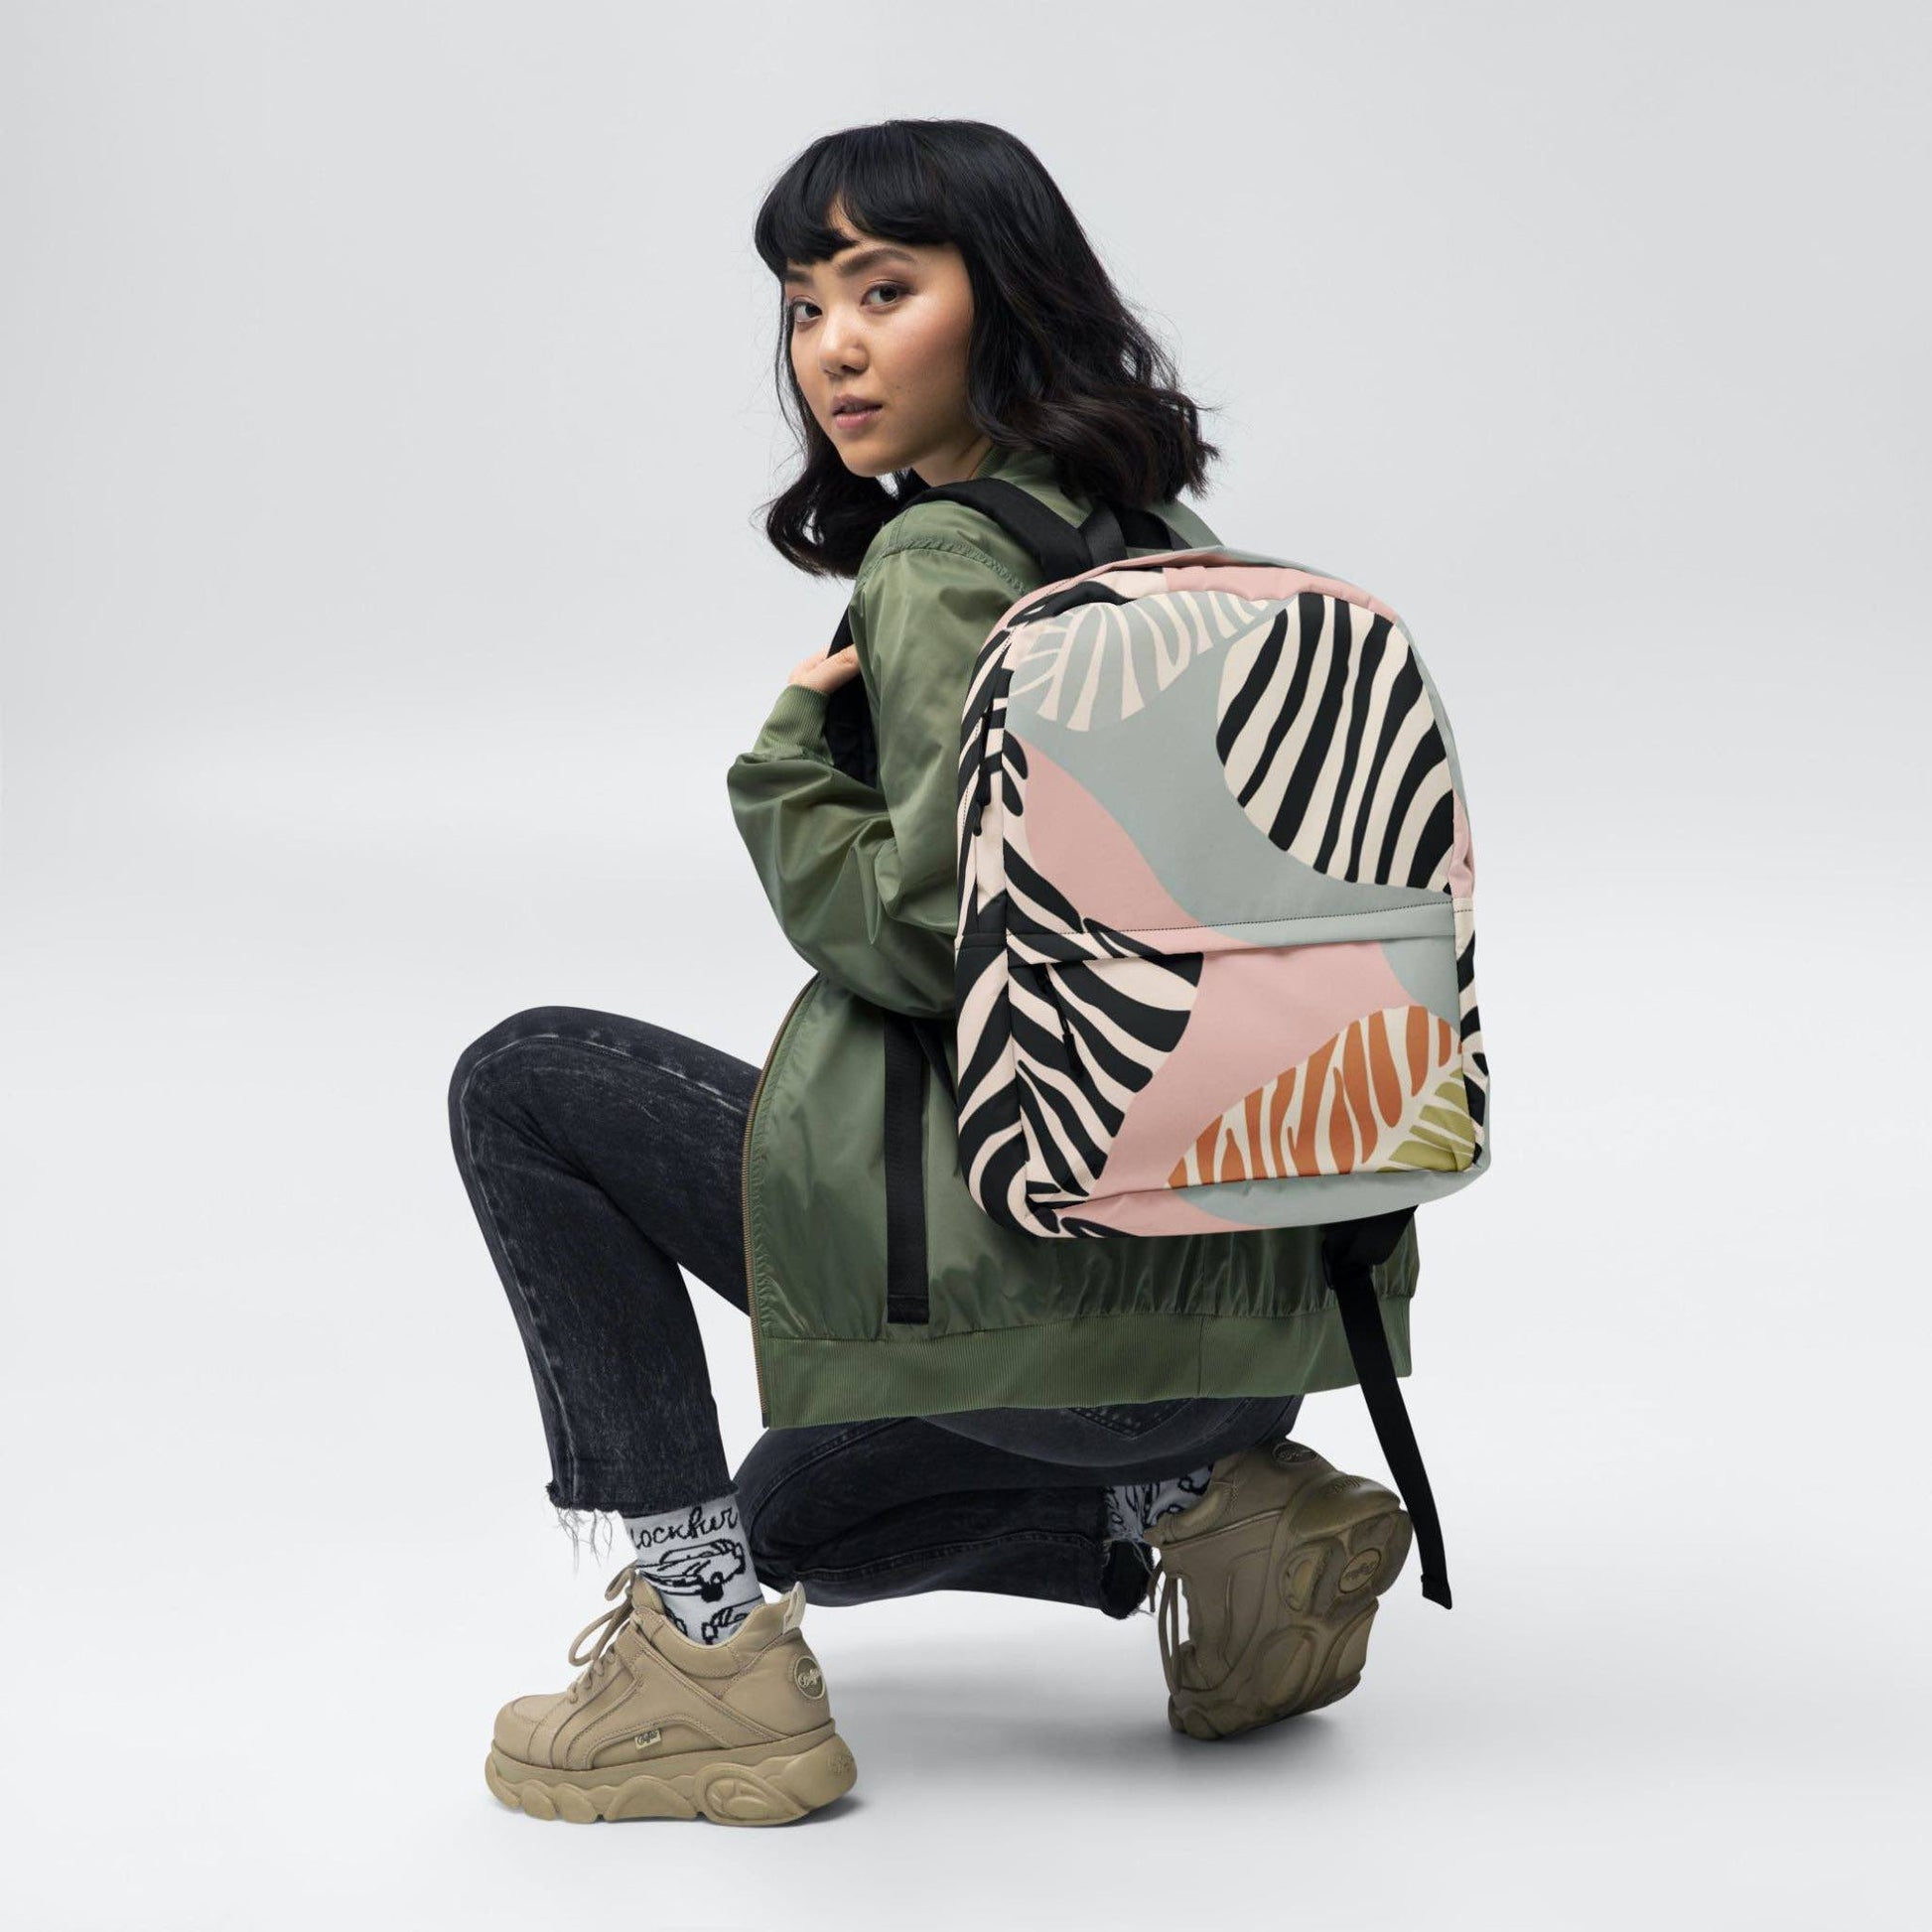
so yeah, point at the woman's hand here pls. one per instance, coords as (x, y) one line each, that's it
(826, 671)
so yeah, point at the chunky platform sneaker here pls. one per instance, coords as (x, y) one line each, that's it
(658, 1727)
(1282, 1562)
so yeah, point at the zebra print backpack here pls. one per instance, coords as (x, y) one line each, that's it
(1215, 958)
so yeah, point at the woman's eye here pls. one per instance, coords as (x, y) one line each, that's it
(897, 289)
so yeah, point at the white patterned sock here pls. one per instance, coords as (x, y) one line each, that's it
(1133, 1508)
(701, 1565)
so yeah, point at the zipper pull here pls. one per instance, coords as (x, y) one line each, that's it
(982, 791)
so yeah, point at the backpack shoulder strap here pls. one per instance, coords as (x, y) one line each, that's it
(1055, 544)
(1110, 527)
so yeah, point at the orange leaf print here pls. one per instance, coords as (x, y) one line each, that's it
(1384, 1094)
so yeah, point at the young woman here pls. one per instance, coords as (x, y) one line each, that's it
(943, 317)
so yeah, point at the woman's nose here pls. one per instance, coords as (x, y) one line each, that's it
(839, 353)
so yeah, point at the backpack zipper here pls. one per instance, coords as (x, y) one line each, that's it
(744, 1200)
(983, 778)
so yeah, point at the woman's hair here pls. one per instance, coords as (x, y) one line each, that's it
(1058, 361)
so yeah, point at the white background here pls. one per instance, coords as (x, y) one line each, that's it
(387, 405)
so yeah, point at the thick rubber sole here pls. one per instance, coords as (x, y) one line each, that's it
(771, 1784)
(1339, 1547)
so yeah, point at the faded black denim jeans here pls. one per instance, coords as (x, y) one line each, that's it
(602, 1158)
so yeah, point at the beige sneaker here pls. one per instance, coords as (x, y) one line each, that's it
(1282, 1561)
(659, 1727)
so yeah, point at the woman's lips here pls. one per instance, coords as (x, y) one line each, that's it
(849, 419)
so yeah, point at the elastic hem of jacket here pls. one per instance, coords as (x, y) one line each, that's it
(795, 722)
(1096, 1359)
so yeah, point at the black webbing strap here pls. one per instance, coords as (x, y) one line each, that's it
(1049, 538)
(1349, 1250)
(847, 717)
(930, 1034)
(1146, 531)
(1109, 529)
(905, 1145)
(1105, 538)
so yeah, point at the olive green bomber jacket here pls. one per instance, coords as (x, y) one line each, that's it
(863, 882)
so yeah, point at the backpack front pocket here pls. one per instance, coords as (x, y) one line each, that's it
(1217, 1079)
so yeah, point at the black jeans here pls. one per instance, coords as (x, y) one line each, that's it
(602, 1157)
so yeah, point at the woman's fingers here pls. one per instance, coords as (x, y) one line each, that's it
(826, 673)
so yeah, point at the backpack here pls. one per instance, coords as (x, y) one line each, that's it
(1216, 898)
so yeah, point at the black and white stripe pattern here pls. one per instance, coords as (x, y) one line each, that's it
(1087, 1034)
(1330, 747)
(1061, 1019)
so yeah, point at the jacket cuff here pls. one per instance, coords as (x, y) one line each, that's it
(797, 722)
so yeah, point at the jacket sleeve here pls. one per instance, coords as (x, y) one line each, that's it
(865, 881)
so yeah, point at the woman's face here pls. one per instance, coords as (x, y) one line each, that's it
(886, 324)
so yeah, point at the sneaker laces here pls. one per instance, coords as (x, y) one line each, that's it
(606, 1626)
(1167, 1611)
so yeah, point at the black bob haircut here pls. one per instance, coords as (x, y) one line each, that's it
(1058, 361)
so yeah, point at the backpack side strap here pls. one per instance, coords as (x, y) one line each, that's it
(1349, 1250)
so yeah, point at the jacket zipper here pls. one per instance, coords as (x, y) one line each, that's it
(744, 1200)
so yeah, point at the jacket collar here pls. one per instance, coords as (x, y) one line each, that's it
(1016, 462)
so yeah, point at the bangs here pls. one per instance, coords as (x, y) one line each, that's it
(877, 173)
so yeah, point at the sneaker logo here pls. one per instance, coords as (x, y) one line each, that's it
(646, 1739)
(807, 1674)
(1285, 1452)
(1360, 1570)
